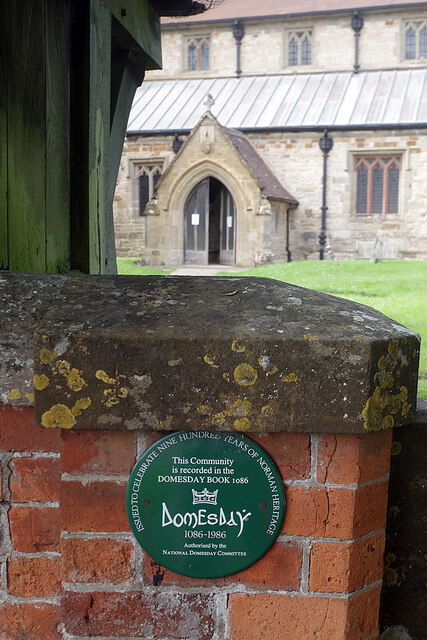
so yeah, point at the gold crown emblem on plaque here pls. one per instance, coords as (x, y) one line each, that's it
(205, 496)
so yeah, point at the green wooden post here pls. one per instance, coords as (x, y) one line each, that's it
(57, 25)
(4, 249)
(26, 136)
(68, 73)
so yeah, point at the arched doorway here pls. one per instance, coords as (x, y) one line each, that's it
(210, 224)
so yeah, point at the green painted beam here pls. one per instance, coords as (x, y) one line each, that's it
(57, 27)
(99, 131)
(143, 25)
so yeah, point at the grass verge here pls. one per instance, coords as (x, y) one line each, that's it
(397, 288)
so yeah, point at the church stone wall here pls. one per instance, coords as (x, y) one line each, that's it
(263, 46)
(298, 163)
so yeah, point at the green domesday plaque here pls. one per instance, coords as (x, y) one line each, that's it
(205, 504)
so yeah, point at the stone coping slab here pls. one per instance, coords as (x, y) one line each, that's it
(25, 298)
(225, 353)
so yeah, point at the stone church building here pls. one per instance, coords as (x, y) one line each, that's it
(277, 130)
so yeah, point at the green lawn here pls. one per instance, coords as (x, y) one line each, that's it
(128, 267)
(397, 288)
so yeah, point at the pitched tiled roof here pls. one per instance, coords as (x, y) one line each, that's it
(312, 101)
(232, 9)
(269, 184)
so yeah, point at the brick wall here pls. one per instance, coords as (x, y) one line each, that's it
(71, 569)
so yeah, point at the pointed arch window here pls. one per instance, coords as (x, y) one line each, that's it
(198, 53)
(146, 176)
(415, 40)
(377, 184)
(299, 47)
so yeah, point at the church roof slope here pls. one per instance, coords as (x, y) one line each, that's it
(256, 9)
(269, 184)
(336, 101)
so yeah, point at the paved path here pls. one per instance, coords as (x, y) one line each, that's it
(205, 269)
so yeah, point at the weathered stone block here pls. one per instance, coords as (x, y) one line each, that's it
(245, 354)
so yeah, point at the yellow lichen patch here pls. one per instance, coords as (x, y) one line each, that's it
(204, 410)
(396, 448)
(238, 347)
(264, 363)
(393, 348)
(391, 576)
(219, 418)
(115, 395)
(267, 411)
(387, 422)
(102, 375)
(30, 396)
(386, 402)
(80, 405)
(62, 366)
(239, 408)
(58, 416)
(382, 362)
(245, 374)
(308, 336)
(75, 381)
(291, 377)
(40, 381)
(226, 376)
(210, 360)
(405, 409)
(14, 394)
(46, 356)
(242, 424)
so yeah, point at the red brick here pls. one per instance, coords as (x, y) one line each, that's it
(363, 613)
(102, 452)
(29, 622)
(97, 560)
(353, 459)
(37, 577)
(345, 567)
(33, 530)
(370, 508)
(96, 506)
(19, 433)
(335, 513)
(306, 511)
(140, 615)
(279, 568)
(36, 479)
(269, 617)
(290, 452)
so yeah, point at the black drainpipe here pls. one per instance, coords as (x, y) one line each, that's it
(325, 143)
(288, 251)
(357, 25)
(238, 33)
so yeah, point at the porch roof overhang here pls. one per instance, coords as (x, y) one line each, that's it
(390, 99)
